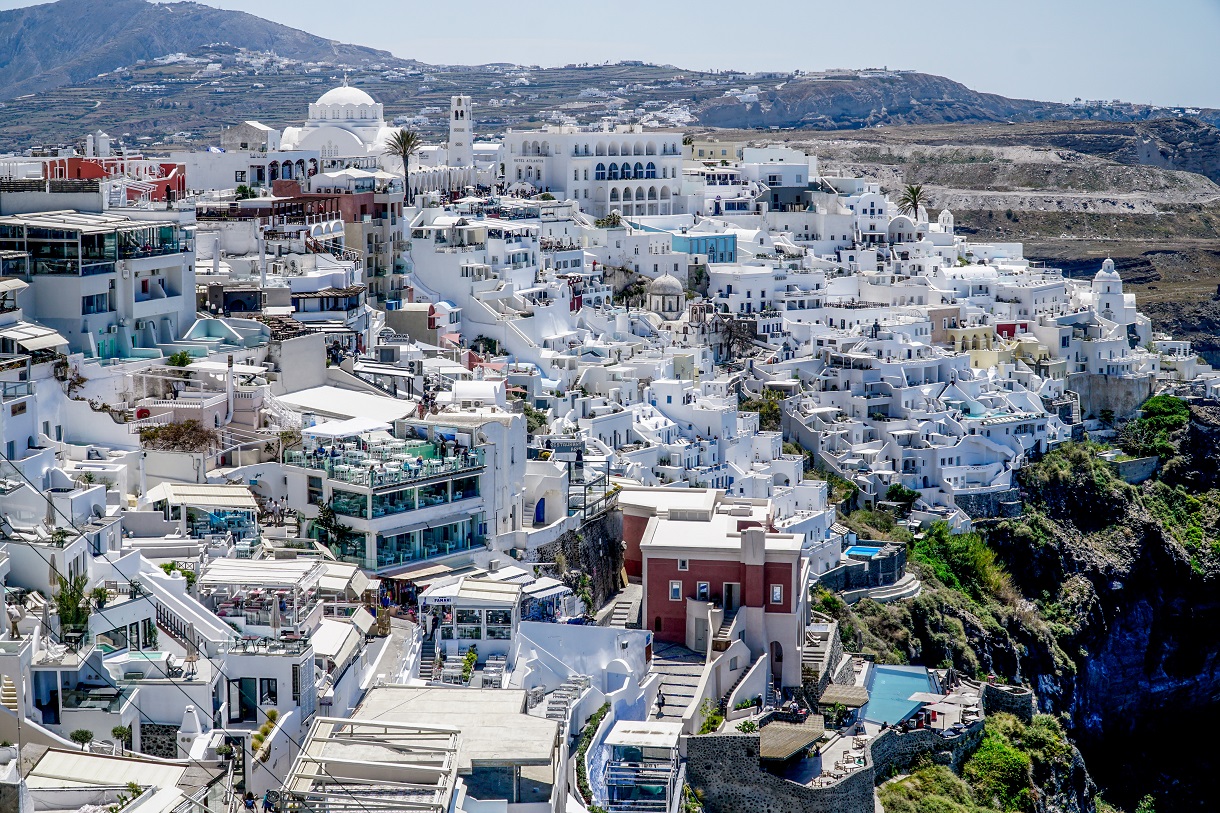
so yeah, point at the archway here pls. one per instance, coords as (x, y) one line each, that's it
(540, 512)
(777, 663)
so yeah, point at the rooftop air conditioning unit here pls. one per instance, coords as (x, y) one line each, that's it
(112, 329)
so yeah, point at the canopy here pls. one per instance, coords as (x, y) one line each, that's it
(363, 620)
(43, 342)
(417, 572)
(851, 696)
(205, 366)
(277, 573)
(782, 740)
(203, 496)
(441, 593)
(345, 429)
(926, 697)
(546, 587)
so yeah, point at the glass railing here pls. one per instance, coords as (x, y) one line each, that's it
(376, 472)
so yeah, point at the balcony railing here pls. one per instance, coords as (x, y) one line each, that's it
(388, 471)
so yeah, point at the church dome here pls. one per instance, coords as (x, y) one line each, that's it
(665, 285)
(345, 94)
(1107, 271)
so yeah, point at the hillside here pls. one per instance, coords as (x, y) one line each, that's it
(71, 41)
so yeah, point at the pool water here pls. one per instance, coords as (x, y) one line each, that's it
(862, 550)
(888, 690)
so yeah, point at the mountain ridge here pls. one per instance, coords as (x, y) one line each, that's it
(70, 41)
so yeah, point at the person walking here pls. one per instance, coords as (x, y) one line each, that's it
(660, 704)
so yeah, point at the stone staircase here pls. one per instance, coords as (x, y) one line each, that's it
(721, 640)
(427, 659)
(8, 695)
(680, 670)
(621, 614)
(724, 701)
(906, 587)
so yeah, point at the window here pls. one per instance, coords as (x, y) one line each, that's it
(777, 594)
(239, 176)
(683, 564)
(576, 174)
(296, 683)
(267, 692)
(702, 591)
(675, 591)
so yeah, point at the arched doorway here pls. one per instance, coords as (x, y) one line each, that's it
(540, 512)
(777, 664)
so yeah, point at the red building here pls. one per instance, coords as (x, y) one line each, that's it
(714, 571)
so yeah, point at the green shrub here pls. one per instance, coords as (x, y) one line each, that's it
(712, 718)
(747, 727)
(586, 739)
(962, 562)
(1000, 774)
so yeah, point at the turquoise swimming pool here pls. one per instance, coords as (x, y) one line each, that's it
(862, 550)
(888, 690)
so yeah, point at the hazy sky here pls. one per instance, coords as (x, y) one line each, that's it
(1162, 52)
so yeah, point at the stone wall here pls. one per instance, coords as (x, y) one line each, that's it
(724, 770)
(596, 549)
(159, 740)
(1006, 504)
(1009, 700)
(1121, 394)
(1135, 471)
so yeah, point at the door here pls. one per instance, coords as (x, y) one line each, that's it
(732, 596)
(700, 635)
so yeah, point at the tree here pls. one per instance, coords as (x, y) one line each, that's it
(912, 198)
(70, 602)
(403, 144)
(738, 336)
(122, 733)
(82, 737)
(1146, 805)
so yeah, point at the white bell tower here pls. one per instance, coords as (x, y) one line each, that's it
(461, 132)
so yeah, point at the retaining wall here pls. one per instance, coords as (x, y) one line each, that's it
(1009, 700)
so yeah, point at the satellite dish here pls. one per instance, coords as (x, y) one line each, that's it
(98, 512)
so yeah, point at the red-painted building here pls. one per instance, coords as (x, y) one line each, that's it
(714, 571)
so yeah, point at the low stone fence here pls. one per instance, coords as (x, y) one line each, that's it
(1018, 702)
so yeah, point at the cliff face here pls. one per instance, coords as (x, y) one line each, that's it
(1125, 580)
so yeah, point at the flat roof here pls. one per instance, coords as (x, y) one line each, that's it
(340, 403)
(669, 498)
(81, 769)
(88, 223)
(263, 572)
(352, 765)
(495, 730)
(849, 695)
(780, 740)
(645, 734)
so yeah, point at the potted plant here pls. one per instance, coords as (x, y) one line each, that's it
(100, 596)
(224, 751)
(82, 737)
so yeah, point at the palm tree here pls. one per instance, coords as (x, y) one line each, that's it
(912, 198)
(404, 144)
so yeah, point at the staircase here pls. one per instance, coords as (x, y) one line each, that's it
(427, 659)
(725, 630)
(724, 701)
(621, 614)
(8, 695)
(773, 699)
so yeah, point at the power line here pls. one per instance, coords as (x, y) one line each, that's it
(156, 665)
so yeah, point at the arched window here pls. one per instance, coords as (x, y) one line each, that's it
(639, 193)
(614, 195)
(650, 171)
(651, 149)
(599, 173)
(652, 193)
(601, 148)
(626, 171)
(638, 149)
(639, 170)
(613, 148)
(614, 172)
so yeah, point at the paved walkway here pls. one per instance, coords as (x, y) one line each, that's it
(680, 670)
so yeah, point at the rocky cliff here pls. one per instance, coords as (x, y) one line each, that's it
(1103, 597)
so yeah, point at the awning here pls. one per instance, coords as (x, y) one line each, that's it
(441, 593)
(545, 588)
(851, 696)
(345, 429)
(12, 284)
(417, 572)
(781, 740)
(43, 342)
(363, 620)
(203, 496)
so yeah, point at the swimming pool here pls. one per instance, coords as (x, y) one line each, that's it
(862, 550)
(888, 690)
